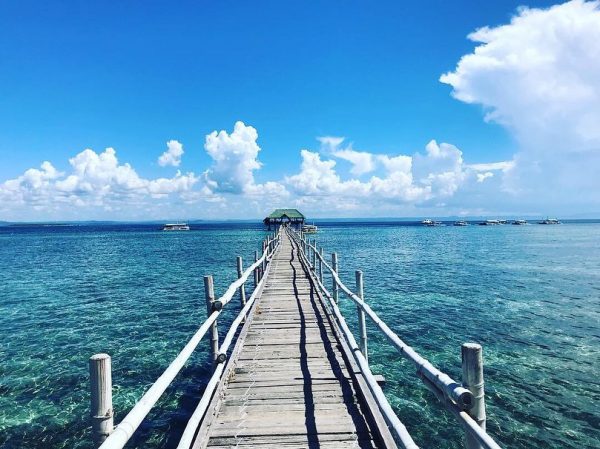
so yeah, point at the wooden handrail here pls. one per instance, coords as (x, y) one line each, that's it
(190, 429)
(386, 409)
(125, 429)
(456, 397)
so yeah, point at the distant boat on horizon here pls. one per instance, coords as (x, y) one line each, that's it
(520, 222)
(176, 227)
(490, 223)
(461, 223)
(309, 229)
(430, 223)
(549, 221)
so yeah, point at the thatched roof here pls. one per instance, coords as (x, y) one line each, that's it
(281, 214)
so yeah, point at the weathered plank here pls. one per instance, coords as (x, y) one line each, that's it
(290, 382)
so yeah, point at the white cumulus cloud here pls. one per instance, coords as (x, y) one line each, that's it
(173, 154)
(95, 180)
(362, 161)
(539, 76)
(235, 159)
(398, 179)
(483, 176)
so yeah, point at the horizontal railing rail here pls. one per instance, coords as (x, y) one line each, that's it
(101, 383)
(457, 398)
(394, 423)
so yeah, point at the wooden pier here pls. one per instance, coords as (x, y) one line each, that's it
(289, 373)
(290, 382)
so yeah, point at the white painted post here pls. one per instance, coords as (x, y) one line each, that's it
(472, 367)
(209, 294)
(240, 271)
(314, 256)
(362, 321)
(334, 287)
(321, 265)
(264, 262)
(101, 397)
(256, 269)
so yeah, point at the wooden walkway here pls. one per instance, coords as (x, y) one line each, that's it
(291, 382)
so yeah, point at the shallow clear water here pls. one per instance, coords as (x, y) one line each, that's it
(529, 294)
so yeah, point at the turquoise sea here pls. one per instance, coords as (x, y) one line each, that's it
(529, 294)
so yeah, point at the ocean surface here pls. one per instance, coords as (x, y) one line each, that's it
(529, 294)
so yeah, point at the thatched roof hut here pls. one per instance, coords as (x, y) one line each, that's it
(279, 216)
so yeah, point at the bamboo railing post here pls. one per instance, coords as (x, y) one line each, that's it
(101, 397)
(334, 287)
(362, 321)
(240, 271)
(472, 367)
(256, 269)
(209, 294)
(314, 256)
(321, 265)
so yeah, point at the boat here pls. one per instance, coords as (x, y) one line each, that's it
(549, 221)
(519, 222)
(309, 229)
(503, 221)
(490, 223)
(461, 223)
(176, 227)
(430, 223)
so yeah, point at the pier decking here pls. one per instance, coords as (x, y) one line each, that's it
(290, 383)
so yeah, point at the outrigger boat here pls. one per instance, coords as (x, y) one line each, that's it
(549, 221)
(490, 223)
(176, 227)
(309, 229)
(429, 222)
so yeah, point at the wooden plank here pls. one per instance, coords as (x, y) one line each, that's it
(289, 383)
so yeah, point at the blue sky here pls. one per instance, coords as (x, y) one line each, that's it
(134, 75)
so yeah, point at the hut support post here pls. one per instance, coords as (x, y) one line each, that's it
(240, 271)
(321, 265)
(362, 321)
(209, 293)
(256, 269)
(472, 368)
(334, 287)
(101, 395)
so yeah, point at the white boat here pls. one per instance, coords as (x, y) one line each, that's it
(309, 229)
(519, 222)
(490, 223)
(461, 223)
(549, 221)
(429, 222)
(176, 227)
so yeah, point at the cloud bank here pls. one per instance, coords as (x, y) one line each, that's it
(539, 76)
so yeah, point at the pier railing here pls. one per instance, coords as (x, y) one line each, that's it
(106, 436)
(465, 401)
